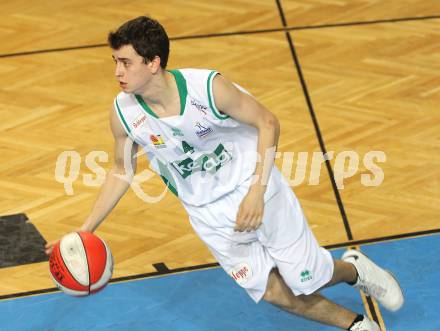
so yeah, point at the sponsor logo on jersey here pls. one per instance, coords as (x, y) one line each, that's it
(157, 141)
(202, 130)
(210, 162)
(306, 275)
(139, 121)
(199, 106)
(177, 132)
(241, 273)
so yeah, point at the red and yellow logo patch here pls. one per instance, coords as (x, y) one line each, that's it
(157, 141)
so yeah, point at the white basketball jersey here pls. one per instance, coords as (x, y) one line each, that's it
(200, 154)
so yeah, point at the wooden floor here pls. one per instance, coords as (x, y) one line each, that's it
(373, 86)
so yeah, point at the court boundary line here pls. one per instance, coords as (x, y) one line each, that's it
(285, 28)
(370, 307)
(347, 244)
(316, 125)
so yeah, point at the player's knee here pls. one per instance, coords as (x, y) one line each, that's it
(273, 289)
(278, 293)
(270, 296)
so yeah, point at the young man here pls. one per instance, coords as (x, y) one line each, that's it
(203, 135)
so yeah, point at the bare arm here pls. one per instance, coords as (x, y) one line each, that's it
(114, 186)
(244, 108)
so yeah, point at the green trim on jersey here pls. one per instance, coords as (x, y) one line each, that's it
(122, 119)
(181, 87)
(170, 187)
(214, 109)
(167, 178)
(145, 106)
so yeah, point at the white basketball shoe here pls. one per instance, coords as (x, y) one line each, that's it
(375, 281)
(365, 325)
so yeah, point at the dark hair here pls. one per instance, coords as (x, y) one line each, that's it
(147, 37)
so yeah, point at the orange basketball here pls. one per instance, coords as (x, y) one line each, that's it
(81, 263)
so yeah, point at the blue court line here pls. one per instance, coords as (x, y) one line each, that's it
(209, 300)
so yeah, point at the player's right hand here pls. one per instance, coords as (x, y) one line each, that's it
(250, 213)
(50, 246)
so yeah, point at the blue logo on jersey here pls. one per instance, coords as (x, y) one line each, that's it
(202, 130)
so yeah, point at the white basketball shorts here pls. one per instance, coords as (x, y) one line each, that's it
(283, 241)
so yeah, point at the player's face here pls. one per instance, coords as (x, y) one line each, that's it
(132, 73)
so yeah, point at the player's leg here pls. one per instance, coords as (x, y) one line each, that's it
(304, 268)
(343, 272)
(314, 306)
(249, 263)
(304, 265)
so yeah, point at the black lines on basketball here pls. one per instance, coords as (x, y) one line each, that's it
(87, 259)
(65, 264)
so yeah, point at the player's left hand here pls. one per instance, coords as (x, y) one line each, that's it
(250, 213)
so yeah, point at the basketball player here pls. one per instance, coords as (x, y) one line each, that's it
(203, 135)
